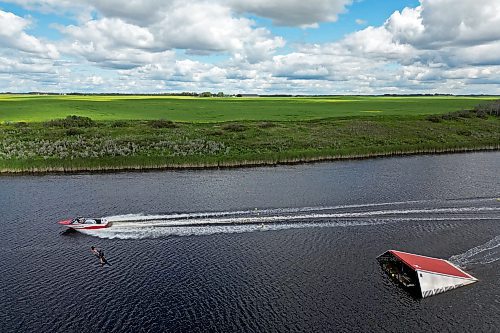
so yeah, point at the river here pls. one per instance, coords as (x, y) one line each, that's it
(269, 249)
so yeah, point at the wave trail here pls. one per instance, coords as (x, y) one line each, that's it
(151, 232)
(275, 215)
(246, 220)
(142, 217)
(483, 254)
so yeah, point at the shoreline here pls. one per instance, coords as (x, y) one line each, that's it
(238, 164)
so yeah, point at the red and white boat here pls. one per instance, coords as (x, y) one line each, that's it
(86, 223)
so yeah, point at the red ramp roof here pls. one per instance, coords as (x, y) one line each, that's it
(423, 263)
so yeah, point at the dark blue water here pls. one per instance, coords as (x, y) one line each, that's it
(284, 249)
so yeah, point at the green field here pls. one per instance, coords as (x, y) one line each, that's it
(30, 108)
(139, 132)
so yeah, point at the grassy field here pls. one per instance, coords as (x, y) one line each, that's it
(231, 131)
(28, 108)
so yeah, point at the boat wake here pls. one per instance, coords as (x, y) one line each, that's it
(480, 255)
(139, 226)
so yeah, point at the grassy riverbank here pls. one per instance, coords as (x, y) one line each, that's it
(81, 144)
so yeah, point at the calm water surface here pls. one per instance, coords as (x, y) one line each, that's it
(284, 249)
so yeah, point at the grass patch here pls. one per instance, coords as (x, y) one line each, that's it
(36, 147)
(227, 132)
(27, 108)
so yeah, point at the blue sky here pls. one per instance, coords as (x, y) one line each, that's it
(284, 46)
(373, 12)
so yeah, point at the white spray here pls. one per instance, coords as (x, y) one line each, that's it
(483, 254)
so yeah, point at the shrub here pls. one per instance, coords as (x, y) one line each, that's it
(266, 124)
(71, 121)
(217, 132)
(234, 127)
(481, 111)
(434, 118)
(119, 123)
(450, 116)
(162, 123)
(481, 114)
(73, 131)
(465, 114)
(492, 108)
(464, 132)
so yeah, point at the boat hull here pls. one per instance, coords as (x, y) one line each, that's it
(86, 223)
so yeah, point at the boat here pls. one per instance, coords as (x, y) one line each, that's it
(423, 276)
(86, 223)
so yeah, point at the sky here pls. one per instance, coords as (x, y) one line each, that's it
(318, 47)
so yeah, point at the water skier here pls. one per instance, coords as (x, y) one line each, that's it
(100, 255)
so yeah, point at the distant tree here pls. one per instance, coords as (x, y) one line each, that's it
(220, 94)
(187, 93)
(206, 94)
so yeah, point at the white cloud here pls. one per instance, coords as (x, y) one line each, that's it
(440, 23)
(111, 33)
(293, 12)
(212, 28)
(201, 28)
(406, 26)
(143, 12)
(465, 22)
(13, 35)
(77, 9)
(376, 42)
(25, 66)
